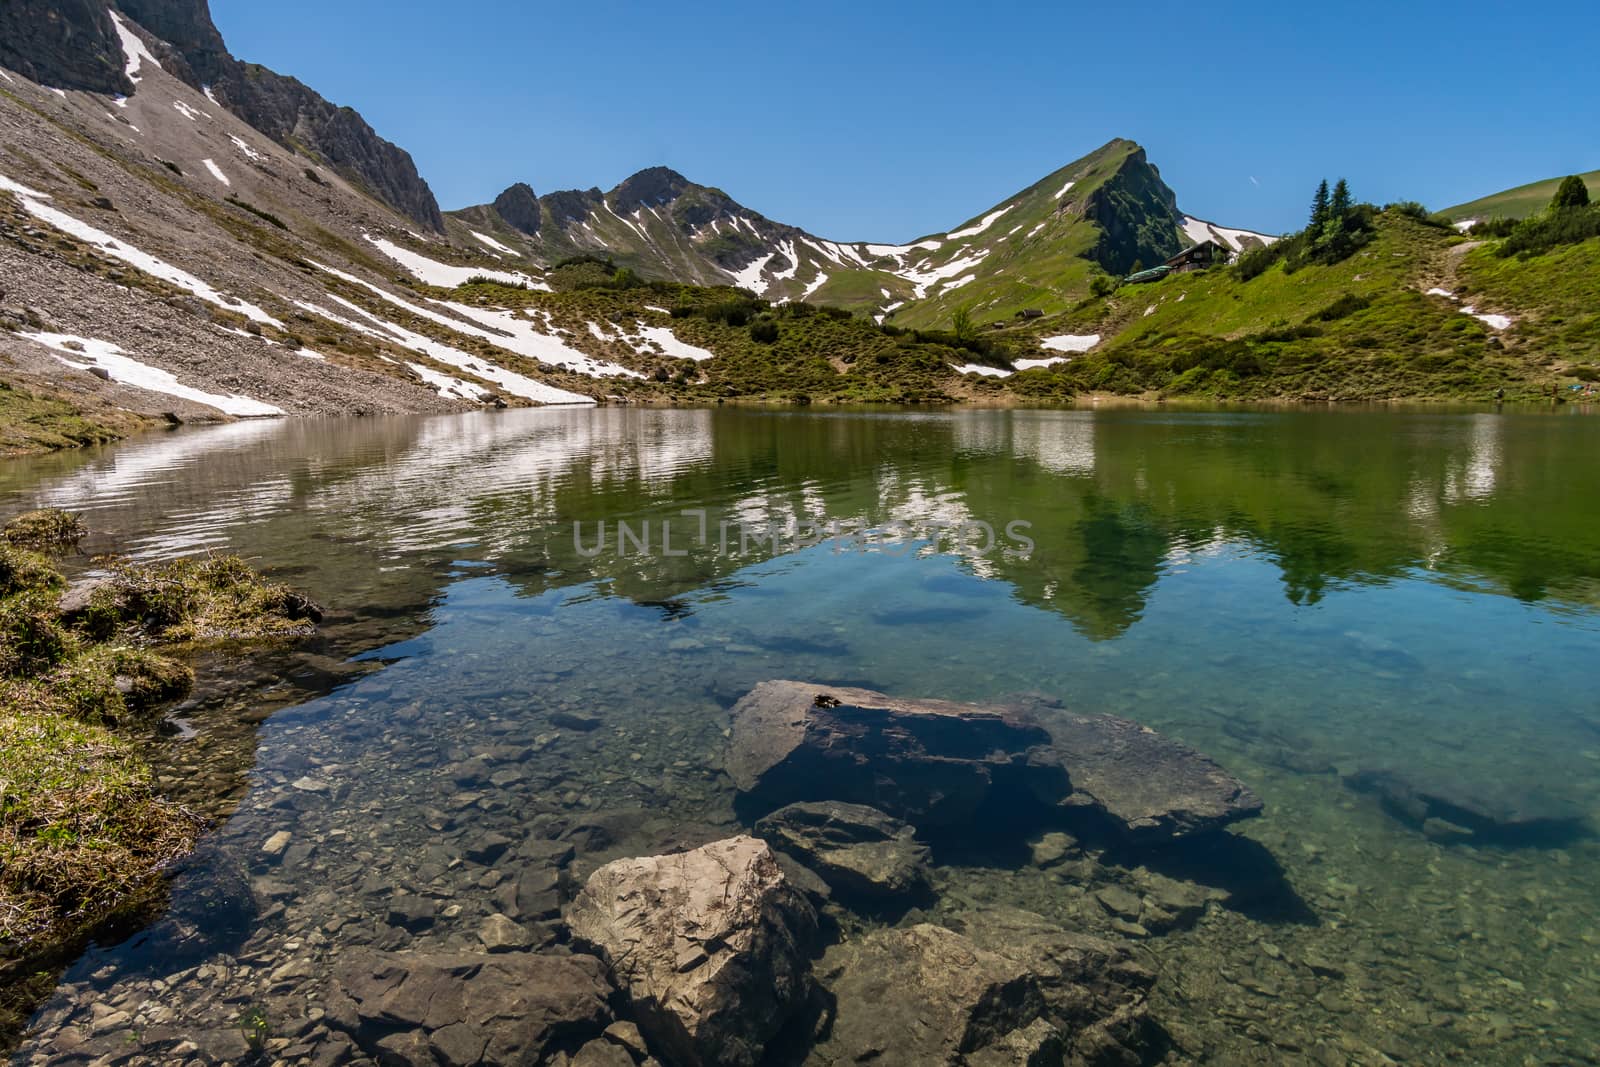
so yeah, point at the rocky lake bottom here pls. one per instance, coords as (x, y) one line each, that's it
(1382, 626)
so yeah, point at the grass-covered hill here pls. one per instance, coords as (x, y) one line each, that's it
(1518, 203)
(1412, 310)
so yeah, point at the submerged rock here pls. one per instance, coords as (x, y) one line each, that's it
(1463, 810)
(1151, 788)
(937, 763)
(932, 762)
(928, 996)
(468, 1008)
(859, 851)
(1094, 992)
(712, 947)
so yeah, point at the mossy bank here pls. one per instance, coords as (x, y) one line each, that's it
(84, 834)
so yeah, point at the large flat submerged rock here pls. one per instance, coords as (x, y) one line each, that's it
(937, 764)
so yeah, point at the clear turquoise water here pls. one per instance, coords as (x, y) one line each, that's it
(1301, 594)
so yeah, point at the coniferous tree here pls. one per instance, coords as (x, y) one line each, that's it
(1319, 208)
(1340, 205)
(1572, 194)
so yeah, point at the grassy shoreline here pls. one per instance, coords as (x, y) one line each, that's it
(84, 834)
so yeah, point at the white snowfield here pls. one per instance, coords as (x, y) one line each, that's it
(133, 50)
(83, 353)
(1489, 319)
(508, 330)
(1494, 322)
(670, 344)
(191, 113)
(923, 277)
(979, 226)
(34, 203)
(493, 245)
(750, 277)
(445, 275)
(216, 171)
(1199, 230)
(510, 381)
(816, 283)
(243, 146)
(1070, 342)
(1048, 361)
(1065, 189)
(979, 368)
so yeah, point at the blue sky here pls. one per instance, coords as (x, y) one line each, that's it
(885, 121)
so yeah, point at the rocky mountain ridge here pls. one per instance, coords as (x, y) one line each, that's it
(1107, 212)
(78, 45)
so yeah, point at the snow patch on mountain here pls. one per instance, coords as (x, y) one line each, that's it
(670, 344)
(1070, 342)
(33, 202)
(981, 225)
(134, 52)
(1199, 230)
(84, 353)
(925, 276)
(512, 382)
(447, 275)
(750, 277)
(1065, 189)
(979, 368)
(216, 171)
(493, 245)
(244, 147)
(191, 113)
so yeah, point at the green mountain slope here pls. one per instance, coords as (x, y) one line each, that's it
(1516, 203)
(1105, 213)
(1419, 312)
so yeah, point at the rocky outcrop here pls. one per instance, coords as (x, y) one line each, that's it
(1138, 217)
(73, 44)
(928, 996)
(65, 44)
(934, 763)
(418, 1009)
(519, 207)
(298, 118)
(860, 852)
(1150, 787)
(712, 947)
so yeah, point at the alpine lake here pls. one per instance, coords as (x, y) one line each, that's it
(1384, 623)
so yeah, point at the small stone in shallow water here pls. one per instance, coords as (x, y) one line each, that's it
(275, 844)
(307, 784)
(500, 933)
(1119, 901)
(582, 721)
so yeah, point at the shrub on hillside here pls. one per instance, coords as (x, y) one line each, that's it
(1564, 227)
(764, 330)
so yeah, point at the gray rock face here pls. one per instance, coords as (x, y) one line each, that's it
(859, 851)
(520, 208)
(468, 1009)
(712, 946)
(931, 762)
(65, 44)
(927, 996)
(72, 44)
(1152, 787)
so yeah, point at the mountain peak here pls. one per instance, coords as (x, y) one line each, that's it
(519, 206)
(650, 187)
